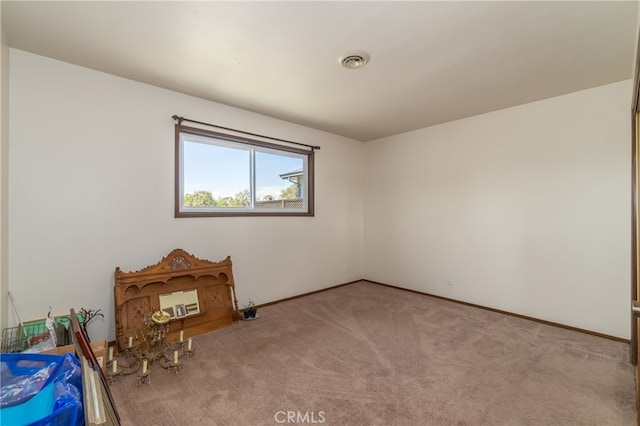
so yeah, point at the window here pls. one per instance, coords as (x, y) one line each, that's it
(223, 175)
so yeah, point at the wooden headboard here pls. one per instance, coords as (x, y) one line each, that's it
(199, 295)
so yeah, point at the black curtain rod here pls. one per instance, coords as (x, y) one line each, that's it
(181, 119)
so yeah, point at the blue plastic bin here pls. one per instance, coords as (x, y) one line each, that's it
(40, 390)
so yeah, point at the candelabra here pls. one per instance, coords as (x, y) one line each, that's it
(148, 347)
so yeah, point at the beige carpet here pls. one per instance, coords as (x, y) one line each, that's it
(365, 354)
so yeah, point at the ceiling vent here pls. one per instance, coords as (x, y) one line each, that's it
(354, 60)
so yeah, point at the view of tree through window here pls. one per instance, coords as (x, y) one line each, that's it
(223, 176)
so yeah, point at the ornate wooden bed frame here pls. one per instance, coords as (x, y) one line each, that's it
(137, 293)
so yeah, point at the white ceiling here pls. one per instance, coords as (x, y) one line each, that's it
(431, 62)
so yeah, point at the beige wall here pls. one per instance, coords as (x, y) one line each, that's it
(4, 181)
(526, 209)
(92, 184)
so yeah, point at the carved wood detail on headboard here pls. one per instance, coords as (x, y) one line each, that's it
(138, 292)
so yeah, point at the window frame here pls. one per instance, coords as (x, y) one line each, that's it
(179, 211)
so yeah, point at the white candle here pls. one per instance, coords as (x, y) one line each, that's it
(114, 366)
(130, 341)
(181, 335)
(110, 353)
(144, 366)
(175, 357)
(189, 344)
